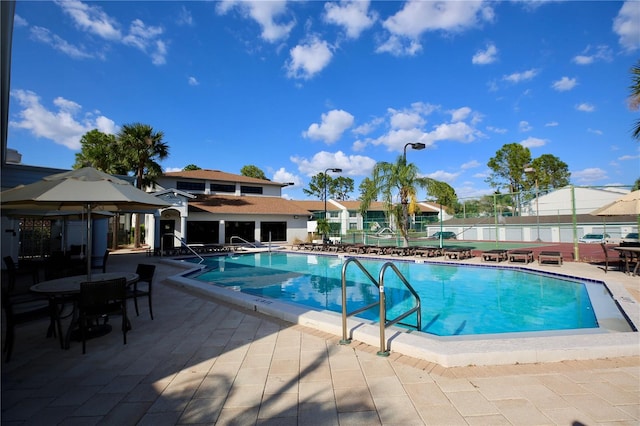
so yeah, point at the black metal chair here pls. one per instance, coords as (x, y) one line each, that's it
(98, 300)
(135, 290)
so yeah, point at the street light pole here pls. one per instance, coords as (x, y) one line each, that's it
(405, 208)
(529, 169)
(415, 145)
(330, 169)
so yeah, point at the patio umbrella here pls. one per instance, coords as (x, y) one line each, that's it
(628, 205)
(85, 189)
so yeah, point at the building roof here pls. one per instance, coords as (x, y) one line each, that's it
(229, 204)
(318, 205)
(217, 175)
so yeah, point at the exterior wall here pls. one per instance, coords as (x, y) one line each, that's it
(559, 202)
(172, 182)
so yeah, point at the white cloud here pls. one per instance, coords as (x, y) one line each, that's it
(470, 165)
(398, 46)
(524, 126)
(185, 17)
(95, 21)
(91, 19)
(19, 21)
(589, 175)
(366, 128)
(352, 15)
(45, 36)
(459, 132)
(308, 59)
(552, 124)
(417, 17)
(443, 176)
(564, 84)
(405, 119)
(532, 142)
(585, 107)
(518, 77)
(595, 131)
(592, 54)
(264, 13)
(460, 114)
(333, 125)
(193, 81)
(487, 56)
(352, 165)
(629, 157)
(497, 130)
(62, 125)
(627, 25)
(283, 176)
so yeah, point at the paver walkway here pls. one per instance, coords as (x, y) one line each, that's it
(204, 362)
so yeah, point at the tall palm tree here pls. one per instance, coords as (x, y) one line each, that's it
(141, 148)
(396, 183)
(635, 96)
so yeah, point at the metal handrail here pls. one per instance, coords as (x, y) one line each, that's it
(182, 242)
(243, 240)
(384, 323)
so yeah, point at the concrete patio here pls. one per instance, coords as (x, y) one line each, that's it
(201, 361)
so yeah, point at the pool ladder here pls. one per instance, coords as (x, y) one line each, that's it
(384, 322)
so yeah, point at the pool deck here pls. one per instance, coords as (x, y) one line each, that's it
(205, 361)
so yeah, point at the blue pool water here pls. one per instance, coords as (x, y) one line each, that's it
(456, 299)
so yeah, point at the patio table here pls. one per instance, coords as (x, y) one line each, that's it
(67, 288)
(630, 253)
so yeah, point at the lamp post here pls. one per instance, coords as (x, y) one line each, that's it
(405, 209)
(415, 145)
(330, 169)
(529, 169)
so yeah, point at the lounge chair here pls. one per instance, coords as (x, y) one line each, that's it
(550, 258)
(496, 255)
(525, 256)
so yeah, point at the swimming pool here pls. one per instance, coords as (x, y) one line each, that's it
(457, 300)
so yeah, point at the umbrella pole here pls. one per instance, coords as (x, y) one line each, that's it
(89, 242)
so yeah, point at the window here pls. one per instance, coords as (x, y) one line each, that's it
(278, 231)
(190, 186)
(222, 187)
(251, 189)
(244, 230)
(203, 232)
(353, 213)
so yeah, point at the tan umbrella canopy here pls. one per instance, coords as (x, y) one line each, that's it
(85, 189)
(627, 205)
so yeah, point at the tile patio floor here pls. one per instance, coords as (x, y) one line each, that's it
(205, 362)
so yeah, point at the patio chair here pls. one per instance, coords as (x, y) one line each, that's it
(145, 272)
(98, 300)
(606, 250)
(19, 311)
(105, 257)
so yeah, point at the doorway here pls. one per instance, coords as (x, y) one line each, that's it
(167, 228)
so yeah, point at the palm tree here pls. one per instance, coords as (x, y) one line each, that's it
(635, 96)
(395, 182)
(141, 147)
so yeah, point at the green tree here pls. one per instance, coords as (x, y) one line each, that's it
(397, 184)
(341, 187)
(634, 101)
(508, 170)
(636, 185)
(142, 147)
(365, 187)
(253, 171)
(100, 151)
(317, 186)
(550, 172)
(190, 167)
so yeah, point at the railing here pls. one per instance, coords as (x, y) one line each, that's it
(243, 240)
(182, 243)
(384, 322)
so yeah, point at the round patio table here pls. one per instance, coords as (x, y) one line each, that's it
(67, 287)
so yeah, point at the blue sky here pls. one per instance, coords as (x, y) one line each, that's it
(296, 87)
